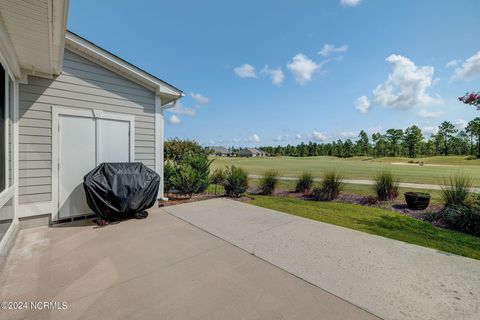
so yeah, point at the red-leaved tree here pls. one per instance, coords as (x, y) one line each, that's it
(472, 99)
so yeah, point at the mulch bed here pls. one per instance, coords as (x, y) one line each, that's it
(432, 214)
(174, 199)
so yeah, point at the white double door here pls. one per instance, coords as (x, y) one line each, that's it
(83, 143)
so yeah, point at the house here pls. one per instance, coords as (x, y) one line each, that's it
(66, 106)
(250, 152)
(219, 151)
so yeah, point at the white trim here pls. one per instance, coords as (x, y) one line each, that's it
(7, 237)
(16, 144)
(87, 113)
(159, 133)
(8, 56)
(11, 192)
(6, 118)
(58, 30)
(6, 195)
(89, 51)
(34, 209)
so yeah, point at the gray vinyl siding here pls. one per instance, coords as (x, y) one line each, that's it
(82, 84)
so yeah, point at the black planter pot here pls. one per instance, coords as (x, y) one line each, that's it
(417, 200)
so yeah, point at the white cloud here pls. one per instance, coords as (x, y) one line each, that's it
(350, 3)
(363, 104)
(427, 131)
(298, 136)
(245, 71)
(429, 114)
(452, 63)
(319, 136)
(200, 99)
(254, 138)
(348, 134)
(302, 68)
(180, 109)
(174, 119)
(461, 123)
(281, 138)
(276, 75)
(406, 86)
(470, 69)
(329, 48)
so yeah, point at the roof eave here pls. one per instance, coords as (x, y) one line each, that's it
(168, 92)
(59, 13)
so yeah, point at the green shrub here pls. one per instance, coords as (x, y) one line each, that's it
(269, 181)
(456, 190)
(217, 176)
(329, 188)
(235, 181)
(192, 175)
(463, 218)
(304, 182)
(385, 186)
(177, 150)
(185, 180)
(168, 173)
(473, 200)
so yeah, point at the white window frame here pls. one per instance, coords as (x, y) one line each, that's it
(10, 192)
(86, 113)
(7, 191)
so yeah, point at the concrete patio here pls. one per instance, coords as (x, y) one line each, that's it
(158, 268)
(389, 278)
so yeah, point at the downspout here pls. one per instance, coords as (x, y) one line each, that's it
(159, 144)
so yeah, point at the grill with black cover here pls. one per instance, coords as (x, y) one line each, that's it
(121, 190)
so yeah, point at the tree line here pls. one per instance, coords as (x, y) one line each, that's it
(410, 142)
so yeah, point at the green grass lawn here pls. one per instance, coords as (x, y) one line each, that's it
(435, 170)
(376, 221)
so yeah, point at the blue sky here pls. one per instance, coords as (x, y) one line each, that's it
(278, 72)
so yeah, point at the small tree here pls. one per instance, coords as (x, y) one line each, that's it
(446, 130)
(394, 136)
(363, 143)
(473, 128)
(413, 136)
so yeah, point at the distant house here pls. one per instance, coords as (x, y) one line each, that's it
(250, 152)
(219, 151)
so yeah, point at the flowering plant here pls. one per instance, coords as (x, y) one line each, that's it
(471, 99)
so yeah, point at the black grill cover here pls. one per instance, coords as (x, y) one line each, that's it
(121, 190)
